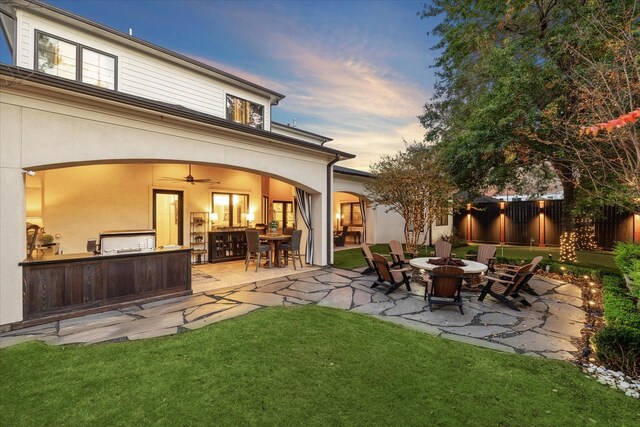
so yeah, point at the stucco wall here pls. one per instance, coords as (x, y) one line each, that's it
(44, 129)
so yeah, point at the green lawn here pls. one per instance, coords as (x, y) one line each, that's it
(352, 258)
(298, 366)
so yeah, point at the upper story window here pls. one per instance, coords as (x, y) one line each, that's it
(247, 113)
(57, 57)
(72, 61)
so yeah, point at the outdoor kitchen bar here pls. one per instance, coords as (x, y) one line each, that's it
(128, 267)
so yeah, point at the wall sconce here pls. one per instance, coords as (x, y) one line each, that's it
(501, 206)
(541, 204)
(30, 173)
(250, 218)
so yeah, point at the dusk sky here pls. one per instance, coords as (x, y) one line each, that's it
(355, 71)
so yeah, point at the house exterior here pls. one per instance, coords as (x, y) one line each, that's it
(96, 125)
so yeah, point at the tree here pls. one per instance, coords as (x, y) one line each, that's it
(604, 139)
(504, 96)
(413, 184)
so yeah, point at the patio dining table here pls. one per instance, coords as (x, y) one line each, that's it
(275, 240)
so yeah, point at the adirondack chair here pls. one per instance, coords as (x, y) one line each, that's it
(487, 255)
(506, 289)
(368, 257)
(394, 278)
(443, 249)
(507, 270)
(397, 254)
(445, 287)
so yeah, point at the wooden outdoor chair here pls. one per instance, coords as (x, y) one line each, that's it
(368, 257)
(487, 255)
(443, 249)
(397, 254)
(506, 270)
(506, 290)
(394, 278)
(445, 286)
(342, 237)
(254, 247)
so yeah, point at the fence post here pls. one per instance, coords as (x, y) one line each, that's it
(541, 231)
(468, 222)
(502, 223)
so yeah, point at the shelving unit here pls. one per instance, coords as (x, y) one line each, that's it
(198, 237)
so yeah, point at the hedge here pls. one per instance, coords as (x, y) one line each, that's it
(618, 343)
(627, 257)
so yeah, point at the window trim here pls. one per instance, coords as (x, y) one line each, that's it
(231, 217)
(351, 224)
(79, 61)
(442, 214)
(100, 52)
(226, 112)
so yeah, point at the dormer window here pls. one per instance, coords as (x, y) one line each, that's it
(244, 112)
(63, 58)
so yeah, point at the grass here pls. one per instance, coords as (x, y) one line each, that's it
(293, 366)
(352, 258)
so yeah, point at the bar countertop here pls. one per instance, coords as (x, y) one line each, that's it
(86, 256)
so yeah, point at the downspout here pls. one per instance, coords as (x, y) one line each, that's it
(330, 208)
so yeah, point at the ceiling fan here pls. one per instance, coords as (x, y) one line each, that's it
(189, 178)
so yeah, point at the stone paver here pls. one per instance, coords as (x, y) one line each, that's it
(338, 298)
(498, 319)
(533, 341)
(206, 310)
(258, 298)
(546, 329)
(236, 311)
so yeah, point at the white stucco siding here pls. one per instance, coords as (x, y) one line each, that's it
(43, 129)
(141, 73)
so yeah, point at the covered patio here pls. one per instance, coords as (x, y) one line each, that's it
(550, 328)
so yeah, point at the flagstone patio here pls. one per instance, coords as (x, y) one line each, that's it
(550, 328)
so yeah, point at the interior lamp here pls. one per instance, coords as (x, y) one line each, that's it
(250, 218)
(214, 218)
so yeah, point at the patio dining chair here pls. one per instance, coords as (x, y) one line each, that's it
(506, 288)
(445, 286)
(443, 249)
(386, 276)
(292, 250)
(255, 248)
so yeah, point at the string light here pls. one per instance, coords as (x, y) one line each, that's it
(586, 234)
(568, 247)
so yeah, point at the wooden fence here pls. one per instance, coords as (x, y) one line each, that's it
(538, 223)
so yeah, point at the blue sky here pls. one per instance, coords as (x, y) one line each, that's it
(355, 71)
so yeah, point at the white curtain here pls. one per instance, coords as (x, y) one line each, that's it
(363, 212)
(304, 206)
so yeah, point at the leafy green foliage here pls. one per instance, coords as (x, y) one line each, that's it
(297, 366)
(618, 343)
(618, 304)
(413, 184)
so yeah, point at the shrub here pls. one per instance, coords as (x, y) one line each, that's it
(455, 238)
(618, 346)
(618, 343)
(619, 308)
(627, 256)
